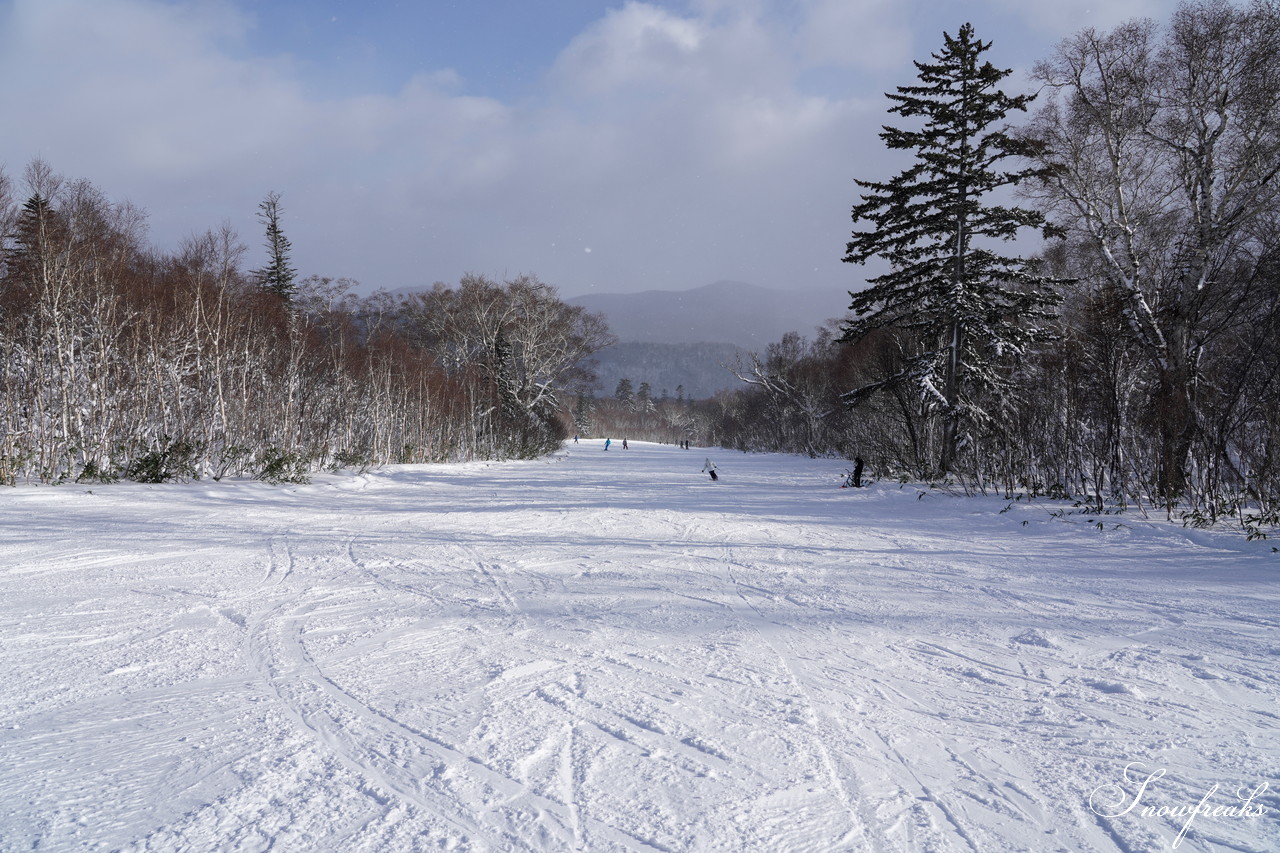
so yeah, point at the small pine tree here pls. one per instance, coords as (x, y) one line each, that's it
(969, 308)
(29, 241)
(277, 276)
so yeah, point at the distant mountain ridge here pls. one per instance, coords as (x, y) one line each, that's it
(684, 338)
(733, 312)
(694, 371)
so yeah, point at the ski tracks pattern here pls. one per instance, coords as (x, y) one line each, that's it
(428, 665)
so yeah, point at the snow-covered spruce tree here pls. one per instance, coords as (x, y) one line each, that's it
(582, 421)
(277, 276)
(968, 309)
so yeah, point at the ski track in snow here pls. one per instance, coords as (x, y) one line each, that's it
(610, 652)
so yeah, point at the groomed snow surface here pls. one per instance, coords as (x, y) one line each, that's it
(608, 651)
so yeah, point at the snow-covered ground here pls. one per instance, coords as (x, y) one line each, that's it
(607, 651)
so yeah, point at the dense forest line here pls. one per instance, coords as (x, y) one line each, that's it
(118, 361)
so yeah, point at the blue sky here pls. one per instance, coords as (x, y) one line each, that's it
(500, 49)
(603, 146)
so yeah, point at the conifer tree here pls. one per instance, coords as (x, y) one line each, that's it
(965, 308)
(31, 234)
(277, 276)
(582, 413)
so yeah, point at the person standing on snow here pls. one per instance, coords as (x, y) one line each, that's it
(710, 468)
(607, 442)
(624, 444)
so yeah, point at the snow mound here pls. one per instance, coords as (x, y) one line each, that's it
(1036, 637)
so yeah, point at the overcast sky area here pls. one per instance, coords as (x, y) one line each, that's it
(603, 146)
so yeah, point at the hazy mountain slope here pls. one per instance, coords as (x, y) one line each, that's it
(699, 368)
(732, 312)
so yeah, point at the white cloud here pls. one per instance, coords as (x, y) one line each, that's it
(143, 87)
(142, 98)
(1063, 17)
(638, 44)
(679, 147)
(872, 34)
(643, 50)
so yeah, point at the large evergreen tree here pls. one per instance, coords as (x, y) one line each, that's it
(965, 308)
(277, 276)
(625, 391)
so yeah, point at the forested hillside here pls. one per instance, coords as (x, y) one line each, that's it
(694, 371)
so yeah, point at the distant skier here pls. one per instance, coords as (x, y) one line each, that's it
(710, 468)
(624, 444)
(575, 438)
(607, 442)
(857, 472)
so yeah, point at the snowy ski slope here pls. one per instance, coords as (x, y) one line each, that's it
(607, 651)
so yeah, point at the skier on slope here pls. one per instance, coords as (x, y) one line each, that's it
(854, 478)
(607, 442)
(710, 468)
